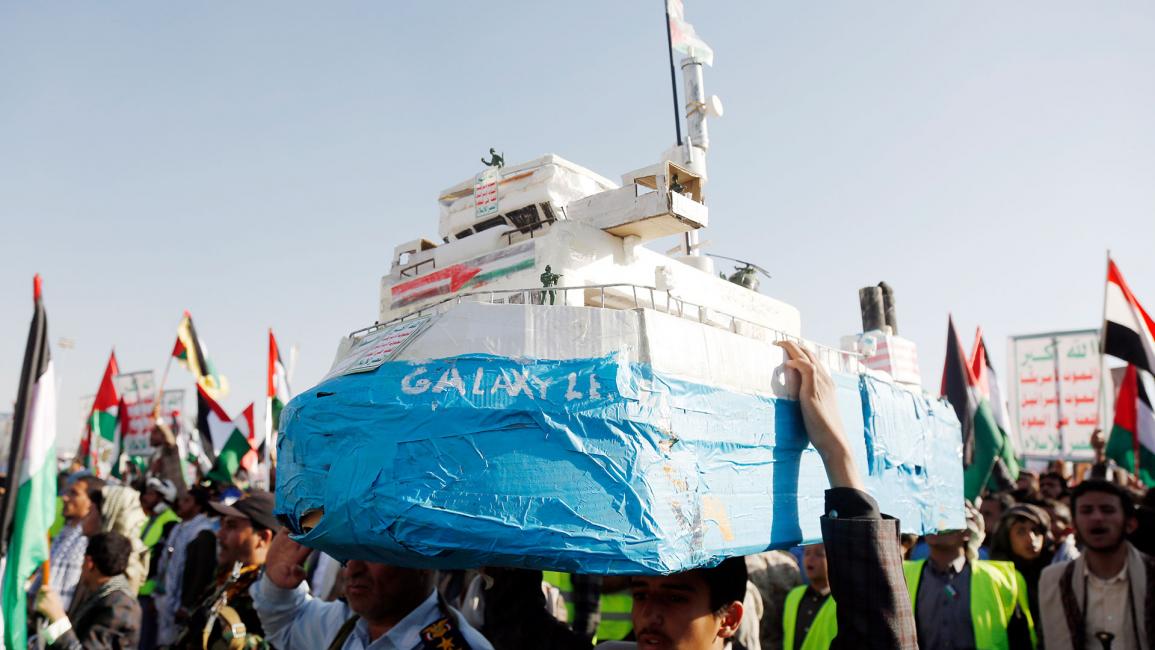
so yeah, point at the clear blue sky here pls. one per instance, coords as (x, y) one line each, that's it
(256, 162)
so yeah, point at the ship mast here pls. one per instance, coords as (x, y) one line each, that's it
(691, 153)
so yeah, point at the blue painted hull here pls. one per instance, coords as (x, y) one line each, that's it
(588, 465)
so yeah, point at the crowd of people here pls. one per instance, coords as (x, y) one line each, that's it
(155, 563)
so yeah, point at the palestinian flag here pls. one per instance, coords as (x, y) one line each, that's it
(683, 38)
(237, 450)
(190, 352)
(1132, 441)
(1128, 332)
(983, 442)
(1006, 468)
(28, 507)
(102, 430)
(277, 395)
(213, 424)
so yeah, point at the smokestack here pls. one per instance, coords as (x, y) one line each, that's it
(870, 303)
(888, 307)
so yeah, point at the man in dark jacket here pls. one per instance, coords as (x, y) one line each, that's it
(109, 616)
(702, 609)
(862, 552)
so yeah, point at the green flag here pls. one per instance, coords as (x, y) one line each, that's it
(29, 506)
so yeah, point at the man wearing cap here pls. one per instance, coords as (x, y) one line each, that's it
(388, 607)
(225, 618)
(961, 601)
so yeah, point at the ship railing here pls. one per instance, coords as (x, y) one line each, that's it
(527, 229)
(626, 296)
(414, 270)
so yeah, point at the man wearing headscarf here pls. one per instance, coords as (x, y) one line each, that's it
(67, 555)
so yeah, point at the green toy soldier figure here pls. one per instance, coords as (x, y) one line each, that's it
(549, 279)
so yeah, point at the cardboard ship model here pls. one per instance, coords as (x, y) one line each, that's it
(542, 390)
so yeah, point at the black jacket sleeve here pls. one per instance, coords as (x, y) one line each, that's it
(865, 570)
(112, 625)
(200, 567)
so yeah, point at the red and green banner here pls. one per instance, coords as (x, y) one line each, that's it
(1132, 440)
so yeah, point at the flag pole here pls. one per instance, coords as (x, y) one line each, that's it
(1103, 374)
(20, 419)
(268, 459)
(673, 74)
(156, 406)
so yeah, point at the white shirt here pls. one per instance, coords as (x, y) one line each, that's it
(294, 620)
(170, 573)
(1108, 609)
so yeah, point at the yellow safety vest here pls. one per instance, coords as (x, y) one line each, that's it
(151, 536)
(152, 530)
(822, 630)
(616, 621)
(996, 588)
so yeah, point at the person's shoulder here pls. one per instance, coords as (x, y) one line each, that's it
(120, 609)
(472, 635)
(1053, 573)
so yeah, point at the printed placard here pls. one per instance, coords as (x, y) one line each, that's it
(379, 346)
(485, 192)
(1056, 393)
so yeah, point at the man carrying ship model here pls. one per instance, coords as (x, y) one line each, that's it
(395, 607)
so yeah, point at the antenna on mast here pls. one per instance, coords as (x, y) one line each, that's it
(682, 37)
(673, 73)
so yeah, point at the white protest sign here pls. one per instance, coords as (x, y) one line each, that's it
(138, 393)
(1056, 393)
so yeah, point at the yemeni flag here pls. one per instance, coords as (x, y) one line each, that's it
(190, 352)
(1006, 468)
(102, 427)
(276, 396)
(29, 506)
(1128, 332)
(983, 443)
(1132, 441)
(237, 450)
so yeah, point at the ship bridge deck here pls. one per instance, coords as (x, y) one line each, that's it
(632, 296)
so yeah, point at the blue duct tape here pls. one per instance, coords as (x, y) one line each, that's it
(589, 465)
